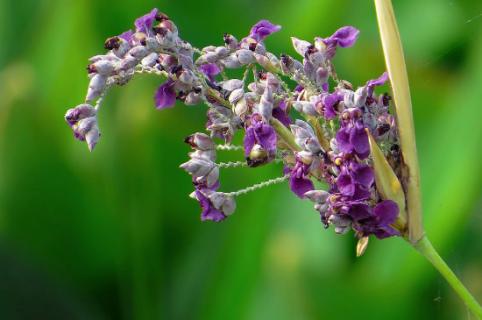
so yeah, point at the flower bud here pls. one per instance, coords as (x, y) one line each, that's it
(301, 46)
(129, 62)
(265, 106)
(232, 84)
(223, 202)
(150, 60)
(236, 95)
(102, 67)
(245, 56)
(230, 41)
(193, 98)
(200, 141)
(231, 61)
(305, 107)
(317, 196)
(198, 167)
(96, 87)
(139, 52)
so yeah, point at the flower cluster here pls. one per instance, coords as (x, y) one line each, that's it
(318, 128)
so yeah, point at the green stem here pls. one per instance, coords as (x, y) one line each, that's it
(428, 251)
(285, 134)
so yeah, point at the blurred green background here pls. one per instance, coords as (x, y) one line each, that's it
(112, 234)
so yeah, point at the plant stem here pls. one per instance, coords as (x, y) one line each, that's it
(428, 251)
(285, 134)
(395, 61)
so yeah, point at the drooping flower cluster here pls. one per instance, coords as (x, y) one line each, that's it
(328, 142)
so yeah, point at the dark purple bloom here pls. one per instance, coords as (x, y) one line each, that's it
(380, 81)
(166, 95)
(209, 212)
(260, 138)
(329, 102)
(299, 179)
(262, 29)
(378, 222)
(281, 113)
(345, 184)
(144, 23)
(210, 70)
(353, 139)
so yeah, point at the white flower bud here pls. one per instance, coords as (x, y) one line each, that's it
(150, 60)
(245, 56)
(232, 84)
(193, 98)
(200, 141)
(317, 196)
(301, 46)
(198, 167)
(231, 61)
(103, 67)
(127, 63)
(96, 87)
(139, 52)
(221, 52)
(265, 106)
(360, 97)
(236, 95)
(305, 107)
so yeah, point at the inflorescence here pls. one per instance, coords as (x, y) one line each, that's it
(328, 142)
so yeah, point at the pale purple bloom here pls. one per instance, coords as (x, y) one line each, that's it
(380, 81)
(262, 29)
(144, 23)
(210, 70)
(343, 37)
(209, 212)
(329, 103)
(127, 35)
(165, 96)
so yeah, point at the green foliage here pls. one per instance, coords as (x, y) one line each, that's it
(113, 235)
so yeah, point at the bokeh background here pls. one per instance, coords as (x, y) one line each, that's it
(112, 234)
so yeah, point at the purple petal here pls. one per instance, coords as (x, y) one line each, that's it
(359, 141)
(210, 70)
(345, 184)
(345, 36)
(267, 138)
(300, 185)
(249, 141)
(127, 36)
(386, 212)
(281, 113)
(208, 211)
(343, 140)
(363, 175)
(329, 102)
(380, 81)
(144, 23)
(262, 29)
(165, 96)
(359, 211)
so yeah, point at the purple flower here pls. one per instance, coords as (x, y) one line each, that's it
(379, 220)
(281, 113)
(299, 179)
(329, 102)
(209, 212)
(259, 142)
(353, 139)
(262, 29)
(144, 23)
(380, 81)
(165, 96)
(210, 70)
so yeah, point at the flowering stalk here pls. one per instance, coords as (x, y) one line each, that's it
(321, 129)
(394, 58)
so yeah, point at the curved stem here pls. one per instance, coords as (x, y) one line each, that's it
(428, 251)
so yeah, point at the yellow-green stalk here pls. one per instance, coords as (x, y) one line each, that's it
(395, 61)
